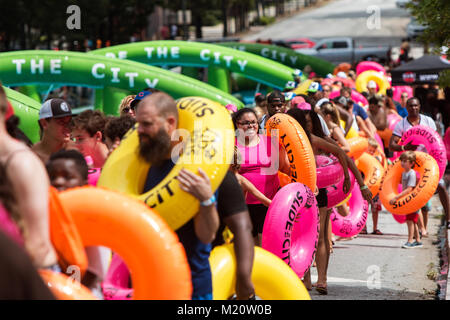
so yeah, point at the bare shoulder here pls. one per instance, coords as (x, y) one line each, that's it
(26, 164)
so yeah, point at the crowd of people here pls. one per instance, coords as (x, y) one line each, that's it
(72, 145)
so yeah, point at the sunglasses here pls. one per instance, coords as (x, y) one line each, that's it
(248, 123)
(127, 109)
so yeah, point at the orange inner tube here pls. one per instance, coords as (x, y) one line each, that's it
(428, 169)
(65, 288)
(373, 172)
(151, 250)
(298, 148)
(358, 146)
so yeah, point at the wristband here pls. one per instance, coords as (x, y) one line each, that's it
(364, 187)
(208, 202)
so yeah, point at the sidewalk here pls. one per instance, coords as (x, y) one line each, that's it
(376, 267)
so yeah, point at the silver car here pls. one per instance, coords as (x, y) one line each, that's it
(414, 28)
(401, 3)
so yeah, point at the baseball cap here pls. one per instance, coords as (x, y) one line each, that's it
(314, 87)
(290, 85)
(371, 84)
(321, 102)
(289, 96)
(342, 100)
(297, 100)
(141, 95)
(55, 108)
(304, 106)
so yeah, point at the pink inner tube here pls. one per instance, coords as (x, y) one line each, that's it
(379, 140)
(329, 171)
(356, 96)
(346, 82)
(369, 65)
(398, 90)
(336, 195)
(353, 223)
(291, 227)
(447, 142)
(93, 175)
(116, 283)
(392, 120)
(432, 142)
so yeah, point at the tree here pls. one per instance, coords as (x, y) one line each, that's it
(435, 14)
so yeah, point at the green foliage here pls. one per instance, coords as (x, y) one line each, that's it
(114, 20)
(435, 14)
(263, 21)
(212, 17)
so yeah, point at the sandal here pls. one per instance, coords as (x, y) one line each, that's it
(378, 232)
(322, 290)
(363, 231)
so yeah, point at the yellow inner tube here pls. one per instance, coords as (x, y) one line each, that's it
(352, 133)
(209, 145)
(272, 277)
(303, 87)
(366, 76)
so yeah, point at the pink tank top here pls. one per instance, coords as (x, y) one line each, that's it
(259, 166)
(8, 226)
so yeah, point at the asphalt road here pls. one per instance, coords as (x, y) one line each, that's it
(375, 267)
(369, 22)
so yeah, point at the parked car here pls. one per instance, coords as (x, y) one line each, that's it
(343, 49)
(414, 28)
(401, 3)
(297, 43)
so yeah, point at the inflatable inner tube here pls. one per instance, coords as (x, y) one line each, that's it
(291, 227)
(356, 220)
(366, 76)
(373, 172)
(138, 234)
(210, 146)
(272, 278)
(329, 171)
(295, 142)
(432, 142)
(335, 193)
(428, 171)
(65, 288)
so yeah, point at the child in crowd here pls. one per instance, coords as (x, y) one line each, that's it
(408, 160)
(115, 129)
(68, 169)
(376, 203)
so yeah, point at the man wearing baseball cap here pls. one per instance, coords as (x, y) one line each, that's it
(140, 96)
(54, 120)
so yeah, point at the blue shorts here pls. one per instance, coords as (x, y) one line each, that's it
(207, 296)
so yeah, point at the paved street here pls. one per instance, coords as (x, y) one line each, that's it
(349, 18)
(375, 267)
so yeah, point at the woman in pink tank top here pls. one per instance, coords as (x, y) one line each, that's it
(261, 160)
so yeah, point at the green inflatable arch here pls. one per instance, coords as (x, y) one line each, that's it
(285, 56)
(196, 54)
(27, 109)
(81, 69)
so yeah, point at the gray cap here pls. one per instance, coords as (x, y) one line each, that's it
(55, 108)
(342, 100)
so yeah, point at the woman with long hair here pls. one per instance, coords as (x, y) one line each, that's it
(260, 157)
(310, 122)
